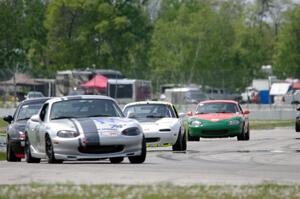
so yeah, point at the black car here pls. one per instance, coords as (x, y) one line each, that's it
(15, 139)
(297, 124)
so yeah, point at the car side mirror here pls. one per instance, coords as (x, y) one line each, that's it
(298, 108)
(8, 118)
(190, 113)
(35, 118)
(130, 115)
(181, 115)
(246, 112)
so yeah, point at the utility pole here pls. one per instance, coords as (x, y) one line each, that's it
(15, 85)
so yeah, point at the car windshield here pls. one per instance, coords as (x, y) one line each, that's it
(206, 108)
(81, 108)
(148, 111)
(28, 110)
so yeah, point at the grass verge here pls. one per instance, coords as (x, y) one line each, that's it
(271, 124)
(159, 191)
(2, 155)
(3, 124)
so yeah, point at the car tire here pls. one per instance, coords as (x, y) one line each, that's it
(297, 127)
(247, 134)
(116, 160)
(193, 138)
(180, 144)
(10, 155)
(141, 158)
(50, 152)
(28, 156)
(242, 136)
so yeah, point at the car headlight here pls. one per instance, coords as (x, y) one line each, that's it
(196, 123)
(234, 122)
(67, 134)
(131, 131)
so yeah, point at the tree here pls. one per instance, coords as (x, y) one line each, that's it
(104, 33)
(287, 58)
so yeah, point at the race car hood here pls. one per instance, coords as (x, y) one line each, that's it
(214, 117)
(96, 124)
(163, 123)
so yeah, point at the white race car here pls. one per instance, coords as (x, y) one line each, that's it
(160, 122)
(83, 128)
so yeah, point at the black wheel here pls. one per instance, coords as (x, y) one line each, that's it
(184, 141)
(297, 127)
(28, 156)
(141, 158)
(116, 160)
(10, 155)
(247, 134)
(50, 152)
(193, 138)
(180, 144)
(242, 136)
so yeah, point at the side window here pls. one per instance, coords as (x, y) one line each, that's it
(43, 112)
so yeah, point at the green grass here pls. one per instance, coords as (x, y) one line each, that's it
(158, 191)
(3, 124)
(2, 156)
(271, 124)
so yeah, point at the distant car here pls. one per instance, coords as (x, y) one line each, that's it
(160, 122)
(83, 127)
(218, 118)
(297, 124)
(34, 94)
(15, 137)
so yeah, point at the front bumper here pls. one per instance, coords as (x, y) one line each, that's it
(215, 130)
(156, 139)
(110, 146)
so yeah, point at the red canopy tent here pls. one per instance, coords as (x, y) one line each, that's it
(98, 82)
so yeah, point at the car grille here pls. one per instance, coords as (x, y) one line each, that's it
(152, 139)
(100, 149)
(215, 132)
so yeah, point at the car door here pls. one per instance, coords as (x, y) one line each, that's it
(41, 130)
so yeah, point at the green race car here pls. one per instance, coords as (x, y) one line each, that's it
(218, 118)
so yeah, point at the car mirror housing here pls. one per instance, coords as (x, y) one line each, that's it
(246, 112)
(35, 118)
(190, 113)
(181, 115)
(8, 118)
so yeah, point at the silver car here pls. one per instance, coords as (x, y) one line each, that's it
(83, 128)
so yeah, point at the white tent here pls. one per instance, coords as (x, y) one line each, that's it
(280, 88)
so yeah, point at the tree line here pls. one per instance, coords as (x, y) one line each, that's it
(220, 43)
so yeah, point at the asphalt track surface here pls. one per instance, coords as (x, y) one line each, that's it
(270, 156)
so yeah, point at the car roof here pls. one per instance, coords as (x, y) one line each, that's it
(78, 97)
(148, 102)
(35, 100)
(219, 101)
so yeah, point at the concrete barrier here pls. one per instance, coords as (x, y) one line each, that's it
(257, 112)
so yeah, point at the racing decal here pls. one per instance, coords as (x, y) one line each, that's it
(90, 132)
(109, 124)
